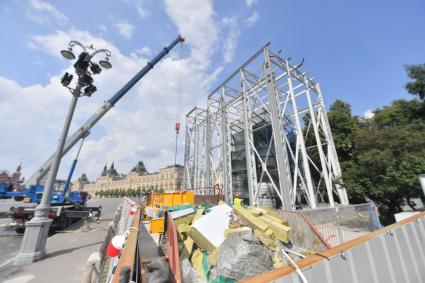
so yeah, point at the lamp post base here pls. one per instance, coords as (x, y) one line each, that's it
(33, 247)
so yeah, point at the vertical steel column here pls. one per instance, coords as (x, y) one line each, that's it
(279, 142)
(319, 146)
(186, 182)
(300, 135)
(251, 169)
(207, 153)
(229, 161)
(195, 181)
(332, 155)
(225, 148)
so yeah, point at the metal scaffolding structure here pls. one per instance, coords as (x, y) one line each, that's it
(265, 134)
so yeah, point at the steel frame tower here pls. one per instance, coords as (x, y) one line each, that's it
(298, 158)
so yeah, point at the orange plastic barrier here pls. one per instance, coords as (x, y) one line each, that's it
(157, 225)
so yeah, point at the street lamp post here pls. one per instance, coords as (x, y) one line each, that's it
(37, 230)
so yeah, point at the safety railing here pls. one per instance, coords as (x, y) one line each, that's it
(123, 225)
(343, 223)
(127, 260)
(112, 230)
(99, 262)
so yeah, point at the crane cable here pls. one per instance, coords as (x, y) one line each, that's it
(179, 101)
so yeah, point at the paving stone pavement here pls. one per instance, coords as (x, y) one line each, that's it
(67, 251)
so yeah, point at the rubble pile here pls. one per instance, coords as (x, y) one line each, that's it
(226, 244)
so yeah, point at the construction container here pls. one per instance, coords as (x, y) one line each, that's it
(171, 199)
(157, 225)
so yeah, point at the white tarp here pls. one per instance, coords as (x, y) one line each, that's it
(182, 212)
(213, 224)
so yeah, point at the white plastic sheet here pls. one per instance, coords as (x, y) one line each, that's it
(213, 224)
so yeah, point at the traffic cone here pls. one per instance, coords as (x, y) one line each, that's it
(133, 210)
(116, 245)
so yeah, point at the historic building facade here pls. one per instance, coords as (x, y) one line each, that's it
(169, 179)
(14, 179)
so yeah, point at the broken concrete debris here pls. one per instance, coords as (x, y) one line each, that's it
(231, 243)
(241, 257)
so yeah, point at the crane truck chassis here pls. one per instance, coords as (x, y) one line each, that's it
(62, 216)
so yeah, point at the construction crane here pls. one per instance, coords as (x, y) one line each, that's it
(84, 130)
(179, 102)
(65, 210)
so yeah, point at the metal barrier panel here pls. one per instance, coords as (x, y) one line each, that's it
(343, 223)
(123, 225)
(104, 260)
(128, 256)
(173, 250)
(212, 199)
(395, 253)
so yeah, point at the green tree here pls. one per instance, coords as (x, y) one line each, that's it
(405, 175)
(417, 74)
(344, 127)
(382, 156)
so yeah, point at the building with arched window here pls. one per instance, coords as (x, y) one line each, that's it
(165, 179)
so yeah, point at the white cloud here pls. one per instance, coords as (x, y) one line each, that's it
(125, 29)
(142, 12)
(141, 125)
(230, 42)
(145, 50)
(195, 21)
(369, 114)
(252, 20)
(43, 12)
(250, 2)
(128, 133)
(103, 28)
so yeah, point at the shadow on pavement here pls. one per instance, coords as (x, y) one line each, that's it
(61, 252)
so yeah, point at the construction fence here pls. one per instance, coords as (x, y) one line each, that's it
(341, 224)
(394, 253)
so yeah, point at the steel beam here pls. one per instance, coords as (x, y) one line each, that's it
(249, 144)
(279, 143)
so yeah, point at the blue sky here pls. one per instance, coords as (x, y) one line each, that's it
(356, 49)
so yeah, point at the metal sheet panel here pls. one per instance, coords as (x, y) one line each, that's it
(393, 254)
